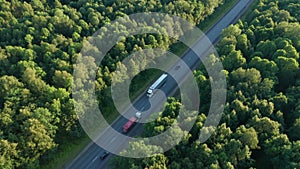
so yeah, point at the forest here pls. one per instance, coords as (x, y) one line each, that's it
(260, 126)
(39, 44)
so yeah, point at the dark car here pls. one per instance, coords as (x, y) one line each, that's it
(104, 155)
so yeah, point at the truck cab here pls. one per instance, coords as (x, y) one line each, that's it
(157, 84)
(138, 115)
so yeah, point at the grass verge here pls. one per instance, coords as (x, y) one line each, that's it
(137, 86)
(72, 148)
(207, 23)
(250, 10)
(67, 152)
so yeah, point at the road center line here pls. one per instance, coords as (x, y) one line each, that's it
(95, 158)
(113, 139)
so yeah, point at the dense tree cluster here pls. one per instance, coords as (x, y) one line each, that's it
(39, 44)
(260, 127)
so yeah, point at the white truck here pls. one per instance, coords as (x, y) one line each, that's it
(157, 84)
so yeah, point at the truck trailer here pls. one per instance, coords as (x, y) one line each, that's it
(131, 122)
(157, 84)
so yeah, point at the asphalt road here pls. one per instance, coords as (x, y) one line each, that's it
(89, 157)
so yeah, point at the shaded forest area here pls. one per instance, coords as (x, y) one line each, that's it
(39, 44)
(260, 127)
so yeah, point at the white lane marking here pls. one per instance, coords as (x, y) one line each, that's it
(95, 159)
(113, 139)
